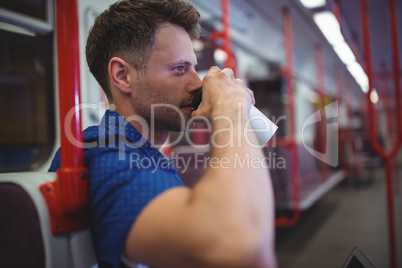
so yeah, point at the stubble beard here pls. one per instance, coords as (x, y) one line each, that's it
(164, 117)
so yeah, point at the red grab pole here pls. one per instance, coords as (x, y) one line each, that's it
(351, 133)
(387, 105)
(69, 81)
(373, 135)
(225, 35)
(227, 47)
(395, 63)
(290, 141)
(67, 196)
(321, 92)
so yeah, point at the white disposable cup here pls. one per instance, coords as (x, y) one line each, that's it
(263, 128)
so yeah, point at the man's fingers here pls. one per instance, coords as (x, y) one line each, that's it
(240, 81)
(229, 72)
(251, 93)
(214, 69)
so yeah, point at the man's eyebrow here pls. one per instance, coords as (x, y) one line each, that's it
(186, 62)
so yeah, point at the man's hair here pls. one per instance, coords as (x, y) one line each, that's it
(127, 30)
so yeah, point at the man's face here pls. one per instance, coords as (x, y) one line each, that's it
(169, 81)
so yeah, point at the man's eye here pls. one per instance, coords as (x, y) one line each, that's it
(179, 69)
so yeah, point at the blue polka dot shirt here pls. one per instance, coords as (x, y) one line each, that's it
(126, 173)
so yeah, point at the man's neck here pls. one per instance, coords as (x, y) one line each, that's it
(156, 137)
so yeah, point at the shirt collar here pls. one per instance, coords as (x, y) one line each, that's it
(114, 123)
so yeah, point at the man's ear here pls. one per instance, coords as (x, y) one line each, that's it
(120, 73)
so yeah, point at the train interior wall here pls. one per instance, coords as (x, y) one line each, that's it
(346, 212)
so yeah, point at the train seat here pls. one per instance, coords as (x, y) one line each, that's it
(26, 239)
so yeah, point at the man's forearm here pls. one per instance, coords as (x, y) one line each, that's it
(241, 194)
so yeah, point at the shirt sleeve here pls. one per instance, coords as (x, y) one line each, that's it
(119, 190)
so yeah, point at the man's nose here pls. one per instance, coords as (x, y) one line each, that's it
(196, 82)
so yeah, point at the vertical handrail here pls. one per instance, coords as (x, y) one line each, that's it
(290, 141)
(338, 84)
(390, 117)
(372, 119)
(72, 170)
(67, 196)
(337, 13)
(227, 46)
(351, 132)
(387, 105)
(225, 35)
(344, 136)
(395, 63)
(69, 81)
(320, 67)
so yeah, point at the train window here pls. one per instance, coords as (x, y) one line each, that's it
(33, 8)
(27, 132)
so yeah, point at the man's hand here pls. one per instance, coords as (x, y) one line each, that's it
(223, 94)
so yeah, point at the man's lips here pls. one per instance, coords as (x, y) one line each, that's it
(186, 106)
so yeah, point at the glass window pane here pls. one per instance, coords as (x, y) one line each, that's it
(33, 8)
(26, 100)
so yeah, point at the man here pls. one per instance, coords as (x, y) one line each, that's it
(141, 53)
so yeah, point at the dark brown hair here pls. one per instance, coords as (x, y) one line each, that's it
(127, 30)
